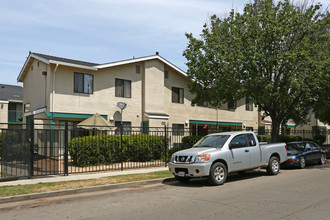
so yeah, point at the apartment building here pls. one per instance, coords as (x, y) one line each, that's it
(11, 99)
(58, 89)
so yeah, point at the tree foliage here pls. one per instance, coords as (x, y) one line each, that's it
(274, 54)
(322, 107)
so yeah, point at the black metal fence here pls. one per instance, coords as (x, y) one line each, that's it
(63, 150)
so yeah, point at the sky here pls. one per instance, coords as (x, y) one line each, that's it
(101, 31)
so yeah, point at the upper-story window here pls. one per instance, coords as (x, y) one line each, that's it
(248, 105)
(123, 88)
(203, 104)
(83, 83)
(166, 74)
(232, 105)
(138, 69)
(177, 95)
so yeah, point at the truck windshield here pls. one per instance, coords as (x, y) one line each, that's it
(212, 141)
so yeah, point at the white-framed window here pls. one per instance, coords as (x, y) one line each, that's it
(166, 74)
(138, 69)
(177, 95)
(232, 105)
(248, 105)
(83, 83)
(123, 88)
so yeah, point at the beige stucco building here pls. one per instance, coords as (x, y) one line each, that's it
(156, 92)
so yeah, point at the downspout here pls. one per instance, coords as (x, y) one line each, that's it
(52, 115)
(53, 95)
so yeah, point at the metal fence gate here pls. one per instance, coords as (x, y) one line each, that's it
(65, 149)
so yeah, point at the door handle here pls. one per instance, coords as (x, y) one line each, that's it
(246, 150)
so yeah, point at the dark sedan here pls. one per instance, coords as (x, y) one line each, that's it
(301, 153)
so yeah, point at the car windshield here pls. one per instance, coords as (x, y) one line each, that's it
(296, 146)
(212, 141)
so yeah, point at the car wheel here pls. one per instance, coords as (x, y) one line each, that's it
(182, 179)
(323, 159)
(302, 162)
(218, 174)
(273, 167)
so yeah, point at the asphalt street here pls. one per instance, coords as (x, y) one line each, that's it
(292, 194)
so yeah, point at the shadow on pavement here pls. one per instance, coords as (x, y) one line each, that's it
(310, 166)
(203, 182)
(233, 177)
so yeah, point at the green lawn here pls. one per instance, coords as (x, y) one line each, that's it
(57, 186)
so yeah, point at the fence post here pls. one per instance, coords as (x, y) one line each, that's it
(303, 133)
(31, 141)
(121, 147)
(165, 143)
(66, 150)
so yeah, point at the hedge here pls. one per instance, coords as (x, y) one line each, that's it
(17, 149)
(319, 139)
(103, 149)
(189, 141)
(290, 138)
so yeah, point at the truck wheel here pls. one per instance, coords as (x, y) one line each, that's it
(302, 162)
(323, 159)
(182, 179)
(218, 174)
(273, 167)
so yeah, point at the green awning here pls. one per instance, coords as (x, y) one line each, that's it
(71, 115)
(215, 123)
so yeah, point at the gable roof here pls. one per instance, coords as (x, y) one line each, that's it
(11, 93)
(64, 60)
(88, 65)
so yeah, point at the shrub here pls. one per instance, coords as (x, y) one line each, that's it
(170, 152)
(189, 141)
(289, 138)
(319, 139)
(264, 138)
(103, 149)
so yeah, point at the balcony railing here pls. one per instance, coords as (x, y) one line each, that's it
(15, 116)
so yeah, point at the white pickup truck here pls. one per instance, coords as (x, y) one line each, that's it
(216, 155)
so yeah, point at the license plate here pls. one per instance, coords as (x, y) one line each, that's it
(181, 173)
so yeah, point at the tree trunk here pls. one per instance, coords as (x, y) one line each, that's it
(275, 130)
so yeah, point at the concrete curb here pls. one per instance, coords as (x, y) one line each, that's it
(80, 190)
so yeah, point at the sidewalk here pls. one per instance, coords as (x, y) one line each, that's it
(48, 179)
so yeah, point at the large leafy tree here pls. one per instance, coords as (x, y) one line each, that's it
(274, 54)
(322, 107)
